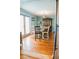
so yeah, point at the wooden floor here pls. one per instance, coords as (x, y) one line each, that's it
(26, 57)
(44, 47)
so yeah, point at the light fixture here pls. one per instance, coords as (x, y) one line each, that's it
(44, 12)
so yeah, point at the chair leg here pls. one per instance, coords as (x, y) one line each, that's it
(42, 35)
(48, 36)
(35, 37)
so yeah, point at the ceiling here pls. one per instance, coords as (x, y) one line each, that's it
(39, 7)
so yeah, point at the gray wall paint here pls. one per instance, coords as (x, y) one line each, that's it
(32, 17)
(35, 20)
(39, 19)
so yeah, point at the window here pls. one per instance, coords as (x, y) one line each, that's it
(27, 25)
(22, 24)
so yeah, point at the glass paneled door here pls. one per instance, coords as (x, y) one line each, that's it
(22, 24)
(27, 24)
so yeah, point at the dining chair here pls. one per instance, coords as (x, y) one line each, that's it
(38, 33)
(45, 32)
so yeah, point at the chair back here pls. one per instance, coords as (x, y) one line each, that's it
(37, 29)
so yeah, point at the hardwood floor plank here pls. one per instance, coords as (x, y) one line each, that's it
(43, 47)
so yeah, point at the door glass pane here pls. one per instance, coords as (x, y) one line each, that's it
(22, 24)
(27, 24)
